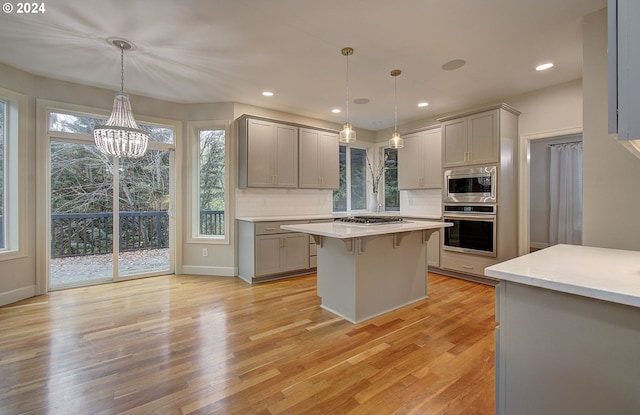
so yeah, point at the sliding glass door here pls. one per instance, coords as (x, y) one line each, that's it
(110, 218)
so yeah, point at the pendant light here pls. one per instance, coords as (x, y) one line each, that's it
(120, 136)
(396, 141)
(348, 134)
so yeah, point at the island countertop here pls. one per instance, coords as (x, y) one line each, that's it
(342, 230)
(601, 273)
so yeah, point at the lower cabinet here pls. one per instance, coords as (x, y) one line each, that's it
(281, 253)
(266, 252)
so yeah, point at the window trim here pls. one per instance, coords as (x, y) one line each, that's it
(16, 174)
(369, 149)
(194, 128)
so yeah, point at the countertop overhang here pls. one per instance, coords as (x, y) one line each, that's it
(606, 274)
(331, 216)
(342, 230)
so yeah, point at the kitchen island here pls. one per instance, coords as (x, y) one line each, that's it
(568, 339)
(367, 270)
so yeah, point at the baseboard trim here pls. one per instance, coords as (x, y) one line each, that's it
(211, 271)
(473, 278)
(17, 295)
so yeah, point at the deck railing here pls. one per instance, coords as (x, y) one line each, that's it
(76, 234)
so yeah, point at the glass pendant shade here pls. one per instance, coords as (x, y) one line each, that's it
(396, 141)
(348, 134)
(121, 136)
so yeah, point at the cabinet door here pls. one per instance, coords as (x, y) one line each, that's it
(432, 159)
(483, 138)
(328, 151)
(260, 153)
(454, 142)
(267, 258)
(295, 251)
(411, 163)
(286, 156)
(309, 158)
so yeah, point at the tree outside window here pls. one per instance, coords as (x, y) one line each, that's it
(211, 182)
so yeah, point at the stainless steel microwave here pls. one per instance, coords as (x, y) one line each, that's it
(470, 185)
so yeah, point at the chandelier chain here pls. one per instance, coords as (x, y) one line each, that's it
(121, 68)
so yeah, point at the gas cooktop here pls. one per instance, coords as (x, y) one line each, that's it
(370, 220)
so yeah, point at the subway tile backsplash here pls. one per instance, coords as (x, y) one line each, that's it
(282, 202)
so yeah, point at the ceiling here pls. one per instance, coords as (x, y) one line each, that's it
(203, 51)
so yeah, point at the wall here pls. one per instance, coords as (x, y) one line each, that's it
(611, 173)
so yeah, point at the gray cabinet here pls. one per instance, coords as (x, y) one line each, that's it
(319, 164)
(470, 140)
(268, 154)
(420, 161)
(266, 252)
(624, 72)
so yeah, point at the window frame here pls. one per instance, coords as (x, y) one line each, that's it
(15, 165)
(369, 150)
(194, 128)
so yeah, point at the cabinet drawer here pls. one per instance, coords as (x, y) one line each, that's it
(269, 228)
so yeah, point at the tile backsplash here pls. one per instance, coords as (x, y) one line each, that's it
(282, 202)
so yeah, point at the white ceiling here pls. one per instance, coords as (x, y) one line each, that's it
(197, 51)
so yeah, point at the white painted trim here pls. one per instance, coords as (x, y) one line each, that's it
(524, 148)
(211, 271)
(17, 294)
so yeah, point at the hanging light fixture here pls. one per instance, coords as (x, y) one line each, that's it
(120, 136)
(396, 141)
(348, 134)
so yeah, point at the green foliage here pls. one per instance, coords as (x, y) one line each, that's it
(212, 169)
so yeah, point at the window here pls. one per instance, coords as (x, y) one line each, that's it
(13, 108)
(3, 174)
(211, 182)
(391, 192)
(352, 194)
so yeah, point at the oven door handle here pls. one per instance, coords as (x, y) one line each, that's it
(487, 218)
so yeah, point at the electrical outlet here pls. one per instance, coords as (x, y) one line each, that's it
(205, 252)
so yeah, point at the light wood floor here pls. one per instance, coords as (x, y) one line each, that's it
(208, 345)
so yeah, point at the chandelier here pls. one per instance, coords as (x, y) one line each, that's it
(348, 134)
(396, 141)
(120, 136)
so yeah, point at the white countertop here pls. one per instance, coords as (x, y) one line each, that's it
(341, 230)
(601, 273)
(331, 216)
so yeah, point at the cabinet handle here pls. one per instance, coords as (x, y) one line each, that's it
(467, 267)
(273, 179)
(320, 180)
(282, 242)
(269, 229)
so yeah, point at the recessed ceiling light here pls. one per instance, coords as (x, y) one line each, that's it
(544, 66)
(336, 111)
(267, 93)
(422, 104)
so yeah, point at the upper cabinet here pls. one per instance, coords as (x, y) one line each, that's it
(472, 139)
(268, 154)
(319, 163)
(624, 72)
(419, 161)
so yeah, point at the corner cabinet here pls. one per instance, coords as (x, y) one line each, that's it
(420, 161)
(319, 164)
(268, 154)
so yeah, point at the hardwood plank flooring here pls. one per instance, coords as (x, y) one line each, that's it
(209, 345)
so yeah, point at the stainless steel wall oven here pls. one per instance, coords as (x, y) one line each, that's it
(473, 231)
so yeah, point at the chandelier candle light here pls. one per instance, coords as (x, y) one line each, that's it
(348, 134)
(396, 141)
(121, 136)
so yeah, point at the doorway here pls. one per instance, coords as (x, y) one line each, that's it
(555, 191)
(110, 218)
